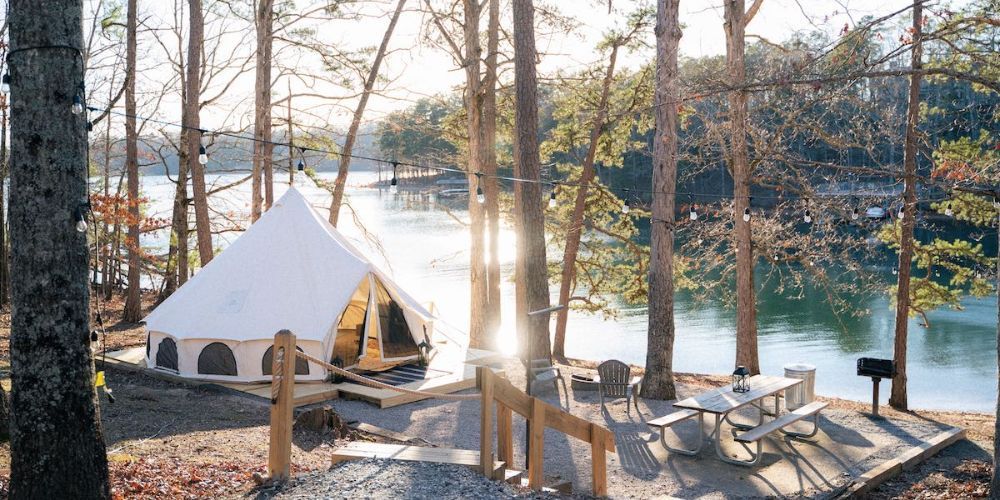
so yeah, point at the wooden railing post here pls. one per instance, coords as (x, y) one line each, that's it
(536, 476)
(505, 434)
(598, 461)
(279, 456)
(484, 379)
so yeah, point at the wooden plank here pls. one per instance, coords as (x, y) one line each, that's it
(358, 450)
(386, 433)
(511, 396)
(672, 418)
(505, 434)
(762, 430)
(280, 450)
(536, 451)
(484, 379)
(887, 470)
(598, 462)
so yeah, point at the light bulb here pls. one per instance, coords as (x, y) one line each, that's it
(202, 155)
(480, 197)
(948, 211)
(807, 217)
(894, 271)
(552, 200)
(746, 214)
(393, 186)
(854, 214)
(77, 104)
(81, 225)
(302, 165)
(626, 207)
(901, 214)
(5, 86)
(694, 213)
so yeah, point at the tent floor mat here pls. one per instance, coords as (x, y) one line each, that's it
(447, 374)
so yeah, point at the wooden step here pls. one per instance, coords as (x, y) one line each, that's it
(781, 422)
(358, 450)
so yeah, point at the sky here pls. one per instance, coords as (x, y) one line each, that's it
(414, 68)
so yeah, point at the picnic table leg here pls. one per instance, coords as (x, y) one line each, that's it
(815, 429)
(683, 451)
(754, 458)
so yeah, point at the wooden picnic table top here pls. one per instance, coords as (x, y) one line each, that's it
(724, 400)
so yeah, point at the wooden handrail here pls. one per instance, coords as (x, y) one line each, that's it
(540, 414)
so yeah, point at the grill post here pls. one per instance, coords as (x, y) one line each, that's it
(875, 382)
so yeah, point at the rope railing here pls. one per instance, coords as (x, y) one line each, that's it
(380, 385)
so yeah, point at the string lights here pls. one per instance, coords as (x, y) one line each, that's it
(80, 215)
(693, 214)
(302, 160)
(5, 85)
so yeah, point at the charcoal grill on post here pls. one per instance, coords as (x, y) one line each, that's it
(877, 369)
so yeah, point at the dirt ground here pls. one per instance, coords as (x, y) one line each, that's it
(179, 441)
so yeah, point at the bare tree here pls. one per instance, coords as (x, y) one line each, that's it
(359, 111)
(262, 148)
(658, 382)
(132, 311)
(736, 20)
(492, 189)
(897, 397)
(193, 125)
(57, 444)
(531, 285)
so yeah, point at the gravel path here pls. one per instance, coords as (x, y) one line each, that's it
(373, 478)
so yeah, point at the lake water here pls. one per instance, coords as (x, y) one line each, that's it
(951, 365)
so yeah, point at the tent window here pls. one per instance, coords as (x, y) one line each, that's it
(217, 359)
(396, 339)
(351, 327)
(166, 354)
(301, 365)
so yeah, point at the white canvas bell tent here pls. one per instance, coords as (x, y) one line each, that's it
(290, 270)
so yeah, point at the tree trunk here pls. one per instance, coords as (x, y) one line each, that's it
(746, 305)
(658, 382)
(897, 398)
(492, 190)
(178, 250)
(4, 248)
(995, 480)
(57, 444)
(359, 111)
(576, 223)
(291, 139)
(476, 154)
(132, 311)
(262, 147)
(201, 220)
(531, 274)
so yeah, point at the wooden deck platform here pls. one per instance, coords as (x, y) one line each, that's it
(459, 374)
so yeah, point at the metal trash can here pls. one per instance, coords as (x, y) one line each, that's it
(804, 393)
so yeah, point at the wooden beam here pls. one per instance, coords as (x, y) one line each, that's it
(505, 434)
(536, 475)
(484, 379)
(598, 461)
(279, 455)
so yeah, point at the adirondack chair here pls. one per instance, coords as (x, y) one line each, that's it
(616, 383)
(542, 373)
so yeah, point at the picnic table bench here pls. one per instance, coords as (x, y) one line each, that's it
(723, 401)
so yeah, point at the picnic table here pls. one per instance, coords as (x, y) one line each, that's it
(723, 401)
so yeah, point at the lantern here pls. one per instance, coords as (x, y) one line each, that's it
(741, 379)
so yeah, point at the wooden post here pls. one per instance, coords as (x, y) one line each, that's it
(279, 456)
(484, 379)
(598, 461)
(536, 475)
(505, 434)
(875, 383)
